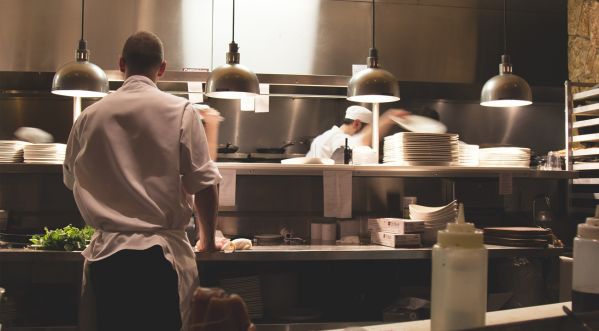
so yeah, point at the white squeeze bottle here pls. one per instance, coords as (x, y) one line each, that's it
(459, 283)
(585, 271)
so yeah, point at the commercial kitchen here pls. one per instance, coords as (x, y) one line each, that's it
(331, 247)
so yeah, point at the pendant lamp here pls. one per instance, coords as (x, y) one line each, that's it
(373, 84)
(232, 80)
(505, 89)
(80, 78)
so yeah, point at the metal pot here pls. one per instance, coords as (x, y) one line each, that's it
(227, 148)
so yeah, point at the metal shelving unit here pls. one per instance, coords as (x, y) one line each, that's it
(582, 128)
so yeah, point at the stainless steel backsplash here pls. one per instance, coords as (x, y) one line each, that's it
(418, 40)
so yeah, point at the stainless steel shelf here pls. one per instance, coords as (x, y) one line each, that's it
(295, 253)
(362, 253)
(276, 169)
(23, 168)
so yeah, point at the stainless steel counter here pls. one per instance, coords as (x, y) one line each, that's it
(381, 170)
(296, 253)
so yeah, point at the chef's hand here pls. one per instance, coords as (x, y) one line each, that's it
(215, 246)
(210, 116)
(211, 119)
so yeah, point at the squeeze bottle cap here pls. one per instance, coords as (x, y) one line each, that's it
(460, 233)
(590, 228)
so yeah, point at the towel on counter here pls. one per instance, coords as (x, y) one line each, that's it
(337, 186)
(237, 244)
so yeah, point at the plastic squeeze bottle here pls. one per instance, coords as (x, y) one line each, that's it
(459, 284)
(585, 273)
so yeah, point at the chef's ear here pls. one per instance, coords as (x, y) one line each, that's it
(162, 68)
(122, 64)
(357, 124)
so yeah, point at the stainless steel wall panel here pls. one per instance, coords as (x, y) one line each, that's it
(51, 114)
(289, 119)
(40, 35)
(428, 43)
(274, 36)
(428, 40)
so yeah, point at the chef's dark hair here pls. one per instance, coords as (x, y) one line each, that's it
(143, 52)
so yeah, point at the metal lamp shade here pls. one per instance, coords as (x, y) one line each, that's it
(80, 79)
(232, 81)
(506, 90)
(373, 85)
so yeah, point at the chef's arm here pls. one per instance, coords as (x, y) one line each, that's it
(211, 129)
(386, 124)
(206, 205)
(211, 119)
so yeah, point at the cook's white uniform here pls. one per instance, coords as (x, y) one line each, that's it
(324, 145)
(133, 161)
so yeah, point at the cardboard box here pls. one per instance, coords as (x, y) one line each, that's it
(395, 240)
(395, 225)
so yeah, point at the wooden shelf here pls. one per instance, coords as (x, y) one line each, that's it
(587, 110)
(585, 123)
(592, 94)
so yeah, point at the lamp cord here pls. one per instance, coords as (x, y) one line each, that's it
(504, 30)
(82, 17)
(373, 24)
(233, 32)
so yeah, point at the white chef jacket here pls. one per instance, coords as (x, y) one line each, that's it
(133, 161)
(325, 145)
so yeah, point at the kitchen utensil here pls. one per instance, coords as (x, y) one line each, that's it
(227, 148)
(274, 150)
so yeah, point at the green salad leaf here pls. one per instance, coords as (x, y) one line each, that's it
(69, 238)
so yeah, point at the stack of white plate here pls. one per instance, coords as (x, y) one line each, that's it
(435, 218)
(504, 157)
(363, 155)
(468, 155)
(44, 153)
(11, 151)
(412, 148)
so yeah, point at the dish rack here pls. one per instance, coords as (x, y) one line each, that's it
(582, 146)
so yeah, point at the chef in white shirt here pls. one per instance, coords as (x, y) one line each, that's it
(135, 161)
(355, 127)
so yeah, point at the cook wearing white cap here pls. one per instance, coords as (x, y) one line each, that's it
(355, 127)
(356, 117)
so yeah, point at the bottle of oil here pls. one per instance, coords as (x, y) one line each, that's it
(585, 276)
(459, 282)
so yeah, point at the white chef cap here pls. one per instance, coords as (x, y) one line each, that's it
(359, 113)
